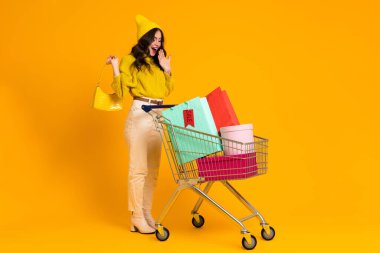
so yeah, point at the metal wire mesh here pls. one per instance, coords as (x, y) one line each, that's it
(205, 157)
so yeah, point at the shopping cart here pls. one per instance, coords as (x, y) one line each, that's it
(244, 160)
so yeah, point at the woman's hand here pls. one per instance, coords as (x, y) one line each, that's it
(164, 62)
(114, 61)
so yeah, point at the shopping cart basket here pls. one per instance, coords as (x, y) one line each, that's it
(248, 160)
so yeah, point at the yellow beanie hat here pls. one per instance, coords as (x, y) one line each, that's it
(144, 25)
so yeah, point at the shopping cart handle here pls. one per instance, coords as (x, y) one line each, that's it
(148, 108)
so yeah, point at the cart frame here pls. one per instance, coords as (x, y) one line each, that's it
(187, 177)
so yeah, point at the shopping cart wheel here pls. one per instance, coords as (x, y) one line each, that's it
(267, 236)
(164, 236)
(199, 223)
(247, 245)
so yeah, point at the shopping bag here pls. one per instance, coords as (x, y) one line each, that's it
(195, 115)
(221, 109)
(227, 167)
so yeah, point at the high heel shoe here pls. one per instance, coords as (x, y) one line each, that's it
(139, 224)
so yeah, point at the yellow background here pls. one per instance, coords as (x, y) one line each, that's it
(305, 73)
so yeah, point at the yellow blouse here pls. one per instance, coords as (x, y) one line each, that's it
(153, 84)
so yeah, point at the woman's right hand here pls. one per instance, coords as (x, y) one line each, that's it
(113, 60)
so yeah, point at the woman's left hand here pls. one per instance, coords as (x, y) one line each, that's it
(164, 62)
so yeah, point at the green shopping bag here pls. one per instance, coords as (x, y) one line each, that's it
(195, 115)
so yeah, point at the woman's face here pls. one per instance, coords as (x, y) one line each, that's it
(156, 44)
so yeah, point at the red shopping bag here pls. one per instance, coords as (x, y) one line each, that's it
(221, 109)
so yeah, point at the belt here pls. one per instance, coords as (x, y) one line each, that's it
(151, 101)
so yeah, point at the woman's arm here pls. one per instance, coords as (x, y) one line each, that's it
(114, 61)
(169, 83)
(165, 64)
(122, 77)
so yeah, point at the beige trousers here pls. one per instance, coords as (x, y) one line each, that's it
(144, 143)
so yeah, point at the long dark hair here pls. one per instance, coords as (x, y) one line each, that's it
(140, 51)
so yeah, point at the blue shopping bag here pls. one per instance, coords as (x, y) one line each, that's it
(194, 114)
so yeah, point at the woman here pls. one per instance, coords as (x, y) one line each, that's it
(146, 75)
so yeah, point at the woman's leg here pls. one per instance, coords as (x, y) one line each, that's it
(154, 158)
(138, 167)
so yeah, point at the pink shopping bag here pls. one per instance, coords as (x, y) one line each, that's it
(227, 167)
